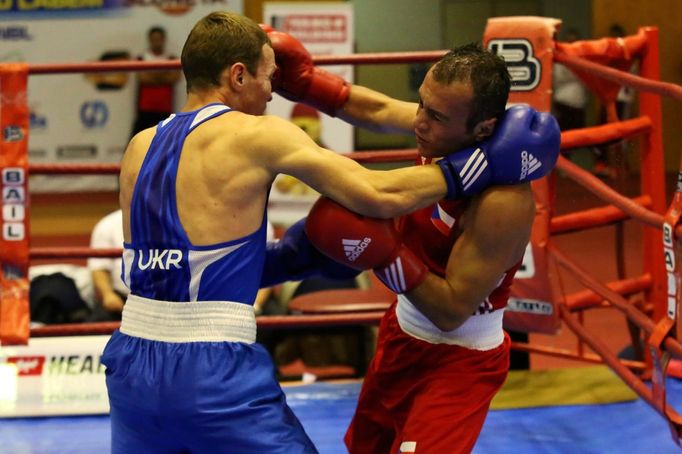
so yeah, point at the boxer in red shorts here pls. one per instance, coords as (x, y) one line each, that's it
(442, 353)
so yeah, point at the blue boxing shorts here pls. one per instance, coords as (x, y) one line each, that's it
(180, 380)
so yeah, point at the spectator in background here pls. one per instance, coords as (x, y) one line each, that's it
(155, 88)
(570, 99)
(110, 291)
(570, 96)
(626, 94)
(110, 81)
(611, 157)
(59, 293)
(308, 119)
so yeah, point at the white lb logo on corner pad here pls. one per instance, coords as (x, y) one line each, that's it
(524, 69)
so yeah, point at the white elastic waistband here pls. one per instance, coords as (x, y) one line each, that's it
(205, 321)
(479, 332)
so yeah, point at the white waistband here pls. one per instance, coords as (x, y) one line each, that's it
(478, 332)
(205, 321)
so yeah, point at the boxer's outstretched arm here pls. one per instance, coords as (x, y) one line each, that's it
(281, 147)
(378, 112)
(496, 231)
(299, 80)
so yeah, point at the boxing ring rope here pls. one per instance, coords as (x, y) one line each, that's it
(263, 322)
(657, 331)
(74, 169)
(598, 188)
(72, 252)
(114, 169)
(645, 208)
(613, 298)
(118, 66)
(629, 80)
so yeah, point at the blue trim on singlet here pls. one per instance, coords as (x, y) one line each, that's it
(160, 262)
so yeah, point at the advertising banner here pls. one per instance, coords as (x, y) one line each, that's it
(88, 118)
(324, 29)
(53, 376)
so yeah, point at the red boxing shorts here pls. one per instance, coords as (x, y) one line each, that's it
(420, 397)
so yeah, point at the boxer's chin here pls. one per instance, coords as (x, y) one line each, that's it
(428, 152)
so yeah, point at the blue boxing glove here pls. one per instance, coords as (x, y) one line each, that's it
(294, 258)
(524, 147)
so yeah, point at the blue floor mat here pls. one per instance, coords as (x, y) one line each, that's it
(326, 409)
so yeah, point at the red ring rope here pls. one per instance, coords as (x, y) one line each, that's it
(72, 253)
(134, 65)
(263, 322)
(598, 188)
(596, 135)
(114, 169)
(623, 77)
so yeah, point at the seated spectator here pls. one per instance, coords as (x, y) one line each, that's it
(110, 291)
(326, 350)
(59, 293)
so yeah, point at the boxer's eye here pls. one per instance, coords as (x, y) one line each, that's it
(434, 115)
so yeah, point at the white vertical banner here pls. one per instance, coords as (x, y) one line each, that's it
(88, 118)
(324, 29)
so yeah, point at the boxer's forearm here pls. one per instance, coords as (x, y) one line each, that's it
(375, 111)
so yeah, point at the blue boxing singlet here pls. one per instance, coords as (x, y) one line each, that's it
(160, 262)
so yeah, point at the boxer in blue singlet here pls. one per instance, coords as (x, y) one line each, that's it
(190, 309)
(183, 372)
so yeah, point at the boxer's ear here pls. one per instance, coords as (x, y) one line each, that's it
(237, 75)
(484, 128)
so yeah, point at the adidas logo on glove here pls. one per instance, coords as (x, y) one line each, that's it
(529, 164)
(355, 248)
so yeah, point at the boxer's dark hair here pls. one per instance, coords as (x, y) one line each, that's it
(486, 72)
(218, 41)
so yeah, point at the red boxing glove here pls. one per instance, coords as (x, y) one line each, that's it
(362, 243)
(299, 80)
